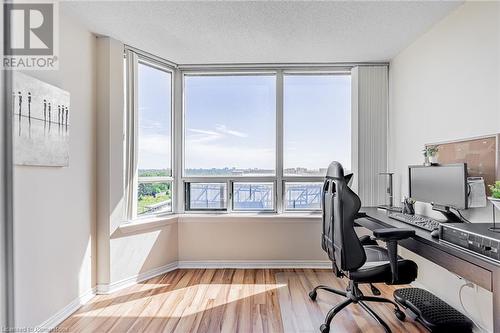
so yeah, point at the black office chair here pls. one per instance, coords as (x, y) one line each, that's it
(350, 258)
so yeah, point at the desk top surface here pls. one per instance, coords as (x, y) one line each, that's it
(378, 218)
(381, 215)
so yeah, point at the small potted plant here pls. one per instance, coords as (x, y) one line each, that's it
(430, 154)
(495, 194)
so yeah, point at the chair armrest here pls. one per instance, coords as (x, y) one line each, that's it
(360, 215)
(393, 234)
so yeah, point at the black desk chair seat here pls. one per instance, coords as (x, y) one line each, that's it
(381, 272)
(358, 259)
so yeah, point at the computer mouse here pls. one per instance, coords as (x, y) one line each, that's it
(435, 233)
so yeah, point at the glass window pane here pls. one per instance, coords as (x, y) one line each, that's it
(253, 196)
(303, 196)
(154, 198)
(317, 123)
(154, 121)
(230, 125)
(207, 196)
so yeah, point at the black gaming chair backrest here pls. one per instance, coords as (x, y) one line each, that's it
(340, 205)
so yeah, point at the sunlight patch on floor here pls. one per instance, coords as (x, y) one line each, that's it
(192, 299)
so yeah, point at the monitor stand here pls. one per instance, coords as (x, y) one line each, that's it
(445, 210)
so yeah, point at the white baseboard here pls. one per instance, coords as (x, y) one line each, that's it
(416, 284)
(67, 311)
(249, 264)
(108, 288)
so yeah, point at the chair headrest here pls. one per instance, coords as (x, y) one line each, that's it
(335, 170)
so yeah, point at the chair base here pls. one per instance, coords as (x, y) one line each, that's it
(354, 295)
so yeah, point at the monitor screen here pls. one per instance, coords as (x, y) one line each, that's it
(444, 185)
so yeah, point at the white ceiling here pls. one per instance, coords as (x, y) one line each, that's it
(263, 32)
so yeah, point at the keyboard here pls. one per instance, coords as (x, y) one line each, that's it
(419, 221)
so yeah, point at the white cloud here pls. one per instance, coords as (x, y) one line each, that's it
(155, 144)
(201, 135)
(152, 125)
(223, 129)
(219, 148)
(206, 135)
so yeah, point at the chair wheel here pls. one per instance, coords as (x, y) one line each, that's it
(324, 328)
(400, 314)
(312, 295)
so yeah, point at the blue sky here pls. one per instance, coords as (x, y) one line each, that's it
(317, 120)
(230, 120)
(154, 118)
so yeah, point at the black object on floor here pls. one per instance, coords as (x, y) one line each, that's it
(431, 311)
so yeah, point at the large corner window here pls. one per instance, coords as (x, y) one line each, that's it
(151, 160)
(255, 140)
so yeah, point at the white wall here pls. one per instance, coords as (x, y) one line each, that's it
(251, 238)
(142, 251)
(3, 263)
(54, 208)
(4, 146)
(445, 86)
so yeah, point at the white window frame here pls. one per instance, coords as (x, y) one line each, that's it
(296, 180)
(221, 179)
(274, 198)
(133, 58)
(278, 179)
(209, 180)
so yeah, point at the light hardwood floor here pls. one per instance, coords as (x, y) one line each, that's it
(229, 300)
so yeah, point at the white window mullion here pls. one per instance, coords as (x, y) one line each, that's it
(133, 133)
(178, 137)
(279, 142)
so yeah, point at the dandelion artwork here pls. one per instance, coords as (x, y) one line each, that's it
(41, 119)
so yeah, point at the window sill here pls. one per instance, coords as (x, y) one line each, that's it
(148, 223)
(162, 221)
(295, 217)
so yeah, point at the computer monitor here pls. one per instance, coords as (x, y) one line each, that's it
(444, 186)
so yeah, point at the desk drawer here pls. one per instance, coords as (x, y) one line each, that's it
(463, 268)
